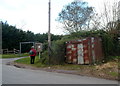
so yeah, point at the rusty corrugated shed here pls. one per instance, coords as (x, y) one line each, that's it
(84, 51)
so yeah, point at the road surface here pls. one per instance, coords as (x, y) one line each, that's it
(13, 75)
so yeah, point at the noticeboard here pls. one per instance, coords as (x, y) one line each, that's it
(38, 47)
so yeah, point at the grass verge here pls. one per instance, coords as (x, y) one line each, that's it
(13, 55)
(27, 61)
(107, 70)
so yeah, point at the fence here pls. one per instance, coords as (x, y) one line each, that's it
(6, 51)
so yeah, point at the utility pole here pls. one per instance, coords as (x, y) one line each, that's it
(49, 34)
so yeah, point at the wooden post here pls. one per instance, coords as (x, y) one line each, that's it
(49, 34)
(20, 47)
(39, 54)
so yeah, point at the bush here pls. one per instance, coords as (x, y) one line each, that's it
(44, 58)
(110, 44)
(58, 52)
(59, 49)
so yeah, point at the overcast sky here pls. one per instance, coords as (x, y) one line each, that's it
(33, 14)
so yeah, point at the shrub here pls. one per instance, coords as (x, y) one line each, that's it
(110, 44)
(44, 57)
(58, 52)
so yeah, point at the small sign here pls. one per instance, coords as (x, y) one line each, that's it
(38, 47)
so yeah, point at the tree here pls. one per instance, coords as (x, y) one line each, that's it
(111, 15)
(11, 37)
(75, 15)
(108, 18)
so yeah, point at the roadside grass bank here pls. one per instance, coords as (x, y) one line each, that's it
(107, 70)
(13, 55)
(27, 62)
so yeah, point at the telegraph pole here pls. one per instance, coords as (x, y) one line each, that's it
(49, 34)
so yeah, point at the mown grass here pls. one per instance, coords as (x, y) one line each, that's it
(64, 66)
(27, 61)
(13, 55)
(80, 68)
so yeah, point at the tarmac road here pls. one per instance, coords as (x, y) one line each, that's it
(13, 75)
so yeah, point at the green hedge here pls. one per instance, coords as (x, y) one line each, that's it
(110, 45)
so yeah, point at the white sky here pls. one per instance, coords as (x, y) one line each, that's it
(33, 14)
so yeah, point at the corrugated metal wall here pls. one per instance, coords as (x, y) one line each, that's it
(80, 53)
(84, 51)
